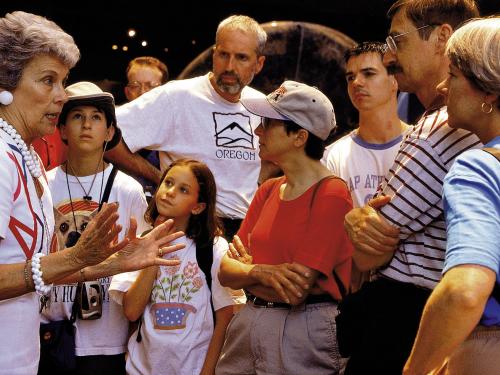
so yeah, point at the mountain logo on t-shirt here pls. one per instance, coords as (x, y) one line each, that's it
(233, 130)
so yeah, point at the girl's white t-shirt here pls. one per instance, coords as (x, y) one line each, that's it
(177, 323)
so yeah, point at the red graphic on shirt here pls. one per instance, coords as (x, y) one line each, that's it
(15, 225)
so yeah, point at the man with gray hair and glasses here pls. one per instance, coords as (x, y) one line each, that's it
(401, 235)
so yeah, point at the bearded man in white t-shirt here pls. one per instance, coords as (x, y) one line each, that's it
(202, 118)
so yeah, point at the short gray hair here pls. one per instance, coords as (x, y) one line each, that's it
(475, 49)
(244, 23)
(24, 36)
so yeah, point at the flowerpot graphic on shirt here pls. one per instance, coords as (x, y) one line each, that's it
(172, 290)
(170, 315)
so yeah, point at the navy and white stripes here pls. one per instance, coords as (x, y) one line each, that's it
(415, 183)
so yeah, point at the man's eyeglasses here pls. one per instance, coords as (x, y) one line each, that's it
(145, 86)
(391, 39)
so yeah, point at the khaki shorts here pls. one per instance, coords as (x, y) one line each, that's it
(301, 340)
(478, 355)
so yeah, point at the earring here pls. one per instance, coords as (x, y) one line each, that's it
(486, 109)
(6, 97)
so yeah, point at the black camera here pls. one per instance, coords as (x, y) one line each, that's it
(89, 299)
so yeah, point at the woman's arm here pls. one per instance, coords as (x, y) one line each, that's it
(94, 246)
(17, 279)
(138, 295)
(285, 279)
(222, 318)
(451, 313)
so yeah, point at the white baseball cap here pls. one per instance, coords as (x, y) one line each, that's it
(294, 101)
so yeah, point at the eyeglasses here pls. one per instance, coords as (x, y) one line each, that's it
(391, 40)
(145, 86)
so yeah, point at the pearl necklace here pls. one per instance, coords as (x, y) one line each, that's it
(29, 156)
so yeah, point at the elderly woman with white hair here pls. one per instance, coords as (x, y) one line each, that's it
(35, 58)
(460, 329)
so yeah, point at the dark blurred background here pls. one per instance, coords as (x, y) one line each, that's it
(307, 45)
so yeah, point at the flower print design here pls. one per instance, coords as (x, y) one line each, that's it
(172, 270)
(174, 285)
(190, 270)
(198, 282)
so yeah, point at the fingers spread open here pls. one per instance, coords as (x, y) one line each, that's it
(167, 262)
(161, 230)
(132, 230)
(171, 237)
(172, 248)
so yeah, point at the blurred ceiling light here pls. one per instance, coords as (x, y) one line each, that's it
(114, 47)
(131, 33)
(125, 48)
(144, 43)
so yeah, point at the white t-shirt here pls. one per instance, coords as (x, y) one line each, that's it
(362, 165)
(108, 334)
(177, 323)
(24, 231)
(188, 119)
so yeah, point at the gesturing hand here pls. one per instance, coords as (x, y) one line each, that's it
(237, 251)
(96, 241)
(148, 250)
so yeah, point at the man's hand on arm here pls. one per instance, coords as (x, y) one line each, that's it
(373, 238)
(132, 163)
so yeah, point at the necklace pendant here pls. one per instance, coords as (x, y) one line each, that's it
(87, 198)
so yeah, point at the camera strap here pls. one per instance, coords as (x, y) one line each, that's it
(109, 185)
(75, 309)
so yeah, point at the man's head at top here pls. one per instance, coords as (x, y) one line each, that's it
(417, 39)
(237, 55)
(143, 74)
(369, 85)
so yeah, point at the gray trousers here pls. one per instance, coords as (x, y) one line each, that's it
(301, 340)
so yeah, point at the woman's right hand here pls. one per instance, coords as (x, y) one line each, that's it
(96, 242)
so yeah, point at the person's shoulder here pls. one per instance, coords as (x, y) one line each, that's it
(271, 182)
(476, 158)
(335, 186)
(52, 174)
(343, 140)
(220, 244)
(127, 183)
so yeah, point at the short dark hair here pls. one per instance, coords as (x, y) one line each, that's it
(150, 61)
(435, 12)
(366, 47)
(315, 146)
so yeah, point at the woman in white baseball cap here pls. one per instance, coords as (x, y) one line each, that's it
(291, 254)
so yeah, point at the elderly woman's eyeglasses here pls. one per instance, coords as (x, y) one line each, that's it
(145, 86)
(391, 39)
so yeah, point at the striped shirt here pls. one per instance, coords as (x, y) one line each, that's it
(415, 183)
